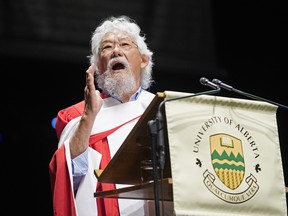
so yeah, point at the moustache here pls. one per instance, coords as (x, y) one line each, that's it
(117, 63)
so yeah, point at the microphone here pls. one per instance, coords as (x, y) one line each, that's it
(230, 88)
(222, 85)
(206, 82)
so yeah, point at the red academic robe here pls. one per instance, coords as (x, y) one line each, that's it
(63, 198)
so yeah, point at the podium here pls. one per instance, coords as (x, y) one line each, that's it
(126, 169)
(228, 149)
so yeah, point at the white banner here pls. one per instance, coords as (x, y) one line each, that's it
(225, 157)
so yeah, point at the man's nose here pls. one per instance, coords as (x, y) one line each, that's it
(117, 51)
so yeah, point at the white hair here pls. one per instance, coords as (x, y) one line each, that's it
(128, 25)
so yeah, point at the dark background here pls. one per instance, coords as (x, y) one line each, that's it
(44, 46)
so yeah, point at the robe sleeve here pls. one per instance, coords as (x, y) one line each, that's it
(63, 199)
(69, 113)
(66, 115)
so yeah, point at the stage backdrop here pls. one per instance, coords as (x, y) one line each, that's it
(225, 156)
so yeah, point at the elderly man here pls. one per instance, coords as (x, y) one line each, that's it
(91, 131)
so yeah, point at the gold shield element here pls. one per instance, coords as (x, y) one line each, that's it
(227, 159)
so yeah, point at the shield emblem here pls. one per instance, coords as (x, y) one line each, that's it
(227, 159)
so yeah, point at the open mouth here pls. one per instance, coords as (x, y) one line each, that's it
(118, 66)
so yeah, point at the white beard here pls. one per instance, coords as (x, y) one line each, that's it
(117, 84)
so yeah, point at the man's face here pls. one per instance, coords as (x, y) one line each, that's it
(119, 44)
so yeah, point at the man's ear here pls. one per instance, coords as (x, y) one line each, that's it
(144, 61)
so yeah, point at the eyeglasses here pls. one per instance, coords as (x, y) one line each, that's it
(124, 44)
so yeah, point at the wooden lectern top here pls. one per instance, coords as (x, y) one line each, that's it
(124, 167)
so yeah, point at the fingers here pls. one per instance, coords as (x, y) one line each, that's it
(91, 69)
(90, 76)
(93, 100)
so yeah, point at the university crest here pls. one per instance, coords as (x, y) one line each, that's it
(227, 159)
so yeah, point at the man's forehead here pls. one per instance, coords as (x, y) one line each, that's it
(116, 34)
